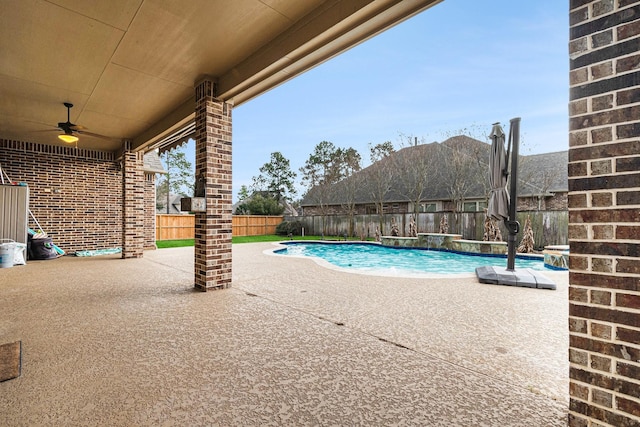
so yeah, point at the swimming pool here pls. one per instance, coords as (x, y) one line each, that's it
(376, 259)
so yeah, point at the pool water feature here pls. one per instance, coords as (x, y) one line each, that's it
(377, 259)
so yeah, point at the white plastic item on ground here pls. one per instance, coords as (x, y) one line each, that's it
(7, 253)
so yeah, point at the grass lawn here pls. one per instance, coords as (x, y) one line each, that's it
(161, 244)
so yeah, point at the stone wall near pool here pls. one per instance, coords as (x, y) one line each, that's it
(452, 242)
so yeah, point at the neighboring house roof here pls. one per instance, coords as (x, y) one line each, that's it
(152, 163)
(543, 173)
(438, 166)
(174, 205)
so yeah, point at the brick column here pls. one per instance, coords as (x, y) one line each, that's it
(604, 213)
(213, 166)
(132, 205)
(150, 211)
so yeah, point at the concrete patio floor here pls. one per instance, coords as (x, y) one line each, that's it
(115, 342)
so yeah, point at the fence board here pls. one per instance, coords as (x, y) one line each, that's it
(549, 227)
(175, 227)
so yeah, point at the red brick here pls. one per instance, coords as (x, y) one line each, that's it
(603, 118)
(600, 363)
(578, 263)
(601, 200)
(577, 421)
(630, 232)
(578, 391)
(603, 280)
(631, 336)
(628, 406)
(600, 103)
(602, 7)
(578, 138)
(600, 297)
(628, 30)
(578, 200)
(596, 379)
(602, 398)
(577, 325)
(629, 96)
(577, 169)
(598, 330)
(627, 164)
(602, 232)
(578, 232)
(628, 266)
(578, 357)
(601, 167)
(605, 314)
(625, 198)
(628, 300)
(578, 294)
(601, 135)
(578, 107)
(628, 63)
(628, 370)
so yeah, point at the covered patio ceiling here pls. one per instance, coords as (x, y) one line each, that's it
(129, 66)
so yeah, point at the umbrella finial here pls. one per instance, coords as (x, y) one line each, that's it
(496, 131)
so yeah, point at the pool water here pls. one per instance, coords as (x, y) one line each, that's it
(376, 258)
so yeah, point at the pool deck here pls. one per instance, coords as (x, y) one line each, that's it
(115, 342)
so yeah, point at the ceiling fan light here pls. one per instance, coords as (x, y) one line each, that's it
(67, 137)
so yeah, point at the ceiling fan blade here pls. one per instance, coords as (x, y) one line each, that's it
(96, 135)
(76, 127)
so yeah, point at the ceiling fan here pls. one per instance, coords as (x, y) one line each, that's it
(71, 130)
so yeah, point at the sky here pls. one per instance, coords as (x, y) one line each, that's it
(456, 68)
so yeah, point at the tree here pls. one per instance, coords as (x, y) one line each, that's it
(466, 170)
(536, 179)
(380, 151)
(415, 167)
(350, 164)
(325, 167)
(381, 177)
(243, 193)
(276, 178)
(178, 179)
(259, 204)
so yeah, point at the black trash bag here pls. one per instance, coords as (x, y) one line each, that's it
(41, 248)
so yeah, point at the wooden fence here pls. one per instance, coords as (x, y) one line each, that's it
(549, 227)
(255, 225)
(174, 227)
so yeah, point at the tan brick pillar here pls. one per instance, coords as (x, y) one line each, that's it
(133, 186)
(213, 229)
(604, 213)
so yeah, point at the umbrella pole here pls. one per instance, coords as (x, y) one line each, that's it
(512, 225)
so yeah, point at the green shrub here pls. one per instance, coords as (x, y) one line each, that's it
(289, 227)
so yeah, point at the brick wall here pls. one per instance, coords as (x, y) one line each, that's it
(75, 194)
(604, 213)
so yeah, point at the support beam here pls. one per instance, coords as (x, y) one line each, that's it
(132, 203)
(213, 228)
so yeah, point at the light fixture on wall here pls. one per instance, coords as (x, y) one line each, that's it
(68, 137)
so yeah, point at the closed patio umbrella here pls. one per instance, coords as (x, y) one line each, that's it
(498, 208)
